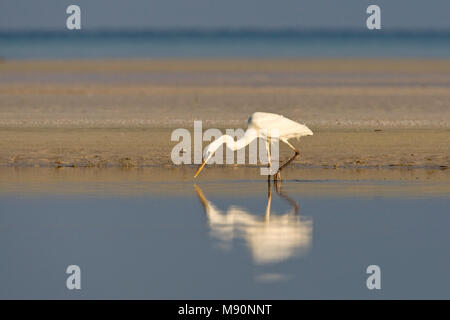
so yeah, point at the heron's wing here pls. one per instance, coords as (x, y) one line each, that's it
(287, 128)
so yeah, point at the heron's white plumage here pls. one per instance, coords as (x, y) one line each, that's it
(268, 126)
(287, 129)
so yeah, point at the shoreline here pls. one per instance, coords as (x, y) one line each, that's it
(222, 181)
(151, 147)
(365, 113)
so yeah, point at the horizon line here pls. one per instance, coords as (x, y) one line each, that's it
(230, 30)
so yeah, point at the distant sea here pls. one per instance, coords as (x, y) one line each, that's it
(186, 43)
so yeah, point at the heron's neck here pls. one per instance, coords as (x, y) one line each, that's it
(248, 137)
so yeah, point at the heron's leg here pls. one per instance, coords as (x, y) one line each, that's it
(292, 158)
(291, 146)
(269, 165)
(268, 153)
(277, 176)
(277, 180)
(288, 161)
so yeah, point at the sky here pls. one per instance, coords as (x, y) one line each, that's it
(120, 14)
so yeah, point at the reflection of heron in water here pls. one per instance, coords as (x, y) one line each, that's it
(271, 238)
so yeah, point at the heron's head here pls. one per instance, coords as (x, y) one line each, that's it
(207, 154)
(209, 151)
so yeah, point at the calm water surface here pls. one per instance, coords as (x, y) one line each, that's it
(225, 240)
(223, 43)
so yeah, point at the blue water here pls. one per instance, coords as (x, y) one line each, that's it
(216, 241)
(223, 43)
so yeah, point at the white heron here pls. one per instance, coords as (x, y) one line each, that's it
(260, 125)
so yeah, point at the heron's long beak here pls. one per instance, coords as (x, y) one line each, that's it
(200, 168)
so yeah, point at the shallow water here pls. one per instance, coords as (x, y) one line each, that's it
(226, 239)
(225, 43)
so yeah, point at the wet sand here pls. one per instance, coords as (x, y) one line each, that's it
(365, 113)
(239, 182)
(147, 147)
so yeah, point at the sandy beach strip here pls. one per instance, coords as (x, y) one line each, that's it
(131, 147)
(120, 113)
